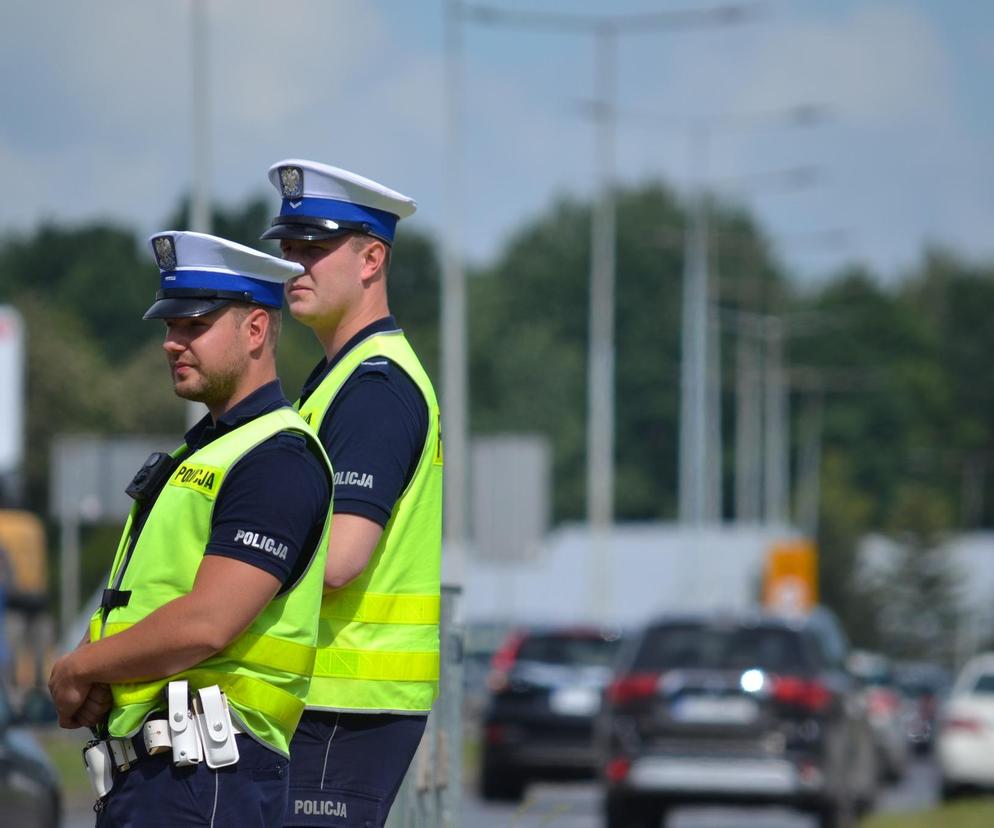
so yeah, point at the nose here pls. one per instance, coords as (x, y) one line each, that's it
(173, 343)
(292, 254)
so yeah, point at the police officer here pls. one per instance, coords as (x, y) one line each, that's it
(218, 577)
(374, 408)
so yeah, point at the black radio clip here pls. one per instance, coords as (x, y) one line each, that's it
(151, 476)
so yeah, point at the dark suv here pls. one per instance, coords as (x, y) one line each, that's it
(738, 710)
(546, 687)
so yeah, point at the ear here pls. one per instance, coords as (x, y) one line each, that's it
(256, 326)
(373, 256)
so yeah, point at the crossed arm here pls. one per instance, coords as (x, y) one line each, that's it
(351, 543)
(226, 597)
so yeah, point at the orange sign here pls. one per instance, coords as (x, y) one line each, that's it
(790, 583)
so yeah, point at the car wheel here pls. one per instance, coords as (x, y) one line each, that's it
(501, 785)
(623, 812)
(837, 815)
(864, 806)
(950, 791)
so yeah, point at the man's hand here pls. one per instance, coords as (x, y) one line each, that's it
(95, 707)
(69, 691)
(227, 596)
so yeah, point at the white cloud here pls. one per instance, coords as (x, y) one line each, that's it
(100, 120)
(896, 151)
(883, 65)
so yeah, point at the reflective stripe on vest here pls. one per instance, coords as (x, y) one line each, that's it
(251, 648)
(381, 666)
(355, 605)
(243, 691)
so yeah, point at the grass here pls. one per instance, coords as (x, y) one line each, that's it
(968, 813)
(64, 749)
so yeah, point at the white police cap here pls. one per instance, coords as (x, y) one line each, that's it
(200, 273)
(321, 202)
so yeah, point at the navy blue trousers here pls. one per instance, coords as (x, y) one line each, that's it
(155, 793)
(345, 768)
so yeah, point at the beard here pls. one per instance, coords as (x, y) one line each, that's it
(211, 387)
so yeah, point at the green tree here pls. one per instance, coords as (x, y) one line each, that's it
(529, 317)
(918, 616)
(909, 409)
(957, 435)
(845, 517)
(74, 388)
(96, 273)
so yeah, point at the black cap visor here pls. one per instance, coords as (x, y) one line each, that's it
(177, 308)
(305, 228)
(190, 302)
(315, 228)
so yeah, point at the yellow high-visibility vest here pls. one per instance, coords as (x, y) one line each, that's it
(266, 671)
(378, 636)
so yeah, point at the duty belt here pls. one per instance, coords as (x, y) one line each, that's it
(192, 734)
(153, 739)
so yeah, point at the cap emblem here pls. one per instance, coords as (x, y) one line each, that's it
(292, 182)
(165, 252)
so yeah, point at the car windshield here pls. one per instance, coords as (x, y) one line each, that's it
(699, 647)
(917, 681)
(984, 683)
(917, 689)
(568, 650)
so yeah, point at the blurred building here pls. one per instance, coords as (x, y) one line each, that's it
(652, 568)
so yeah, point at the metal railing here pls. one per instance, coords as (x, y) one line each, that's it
(431, 794)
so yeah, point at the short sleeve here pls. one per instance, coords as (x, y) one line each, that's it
(271, 508)
(374, 433)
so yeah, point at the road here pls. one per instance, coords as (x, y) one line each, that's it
(578, 806)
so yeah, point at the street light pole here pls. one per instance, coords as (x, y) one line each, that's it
(455, 391)
(748, 421)
(809, 463)
(200, 208)
(714, 454)
(600, 388)
(701, 455)
(694, 332)
(200, 204)
(777, 443)
(600, 364)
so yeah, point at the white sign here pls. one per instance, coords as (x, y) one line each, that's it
(11, 389)
(88, 474)
(511, 487)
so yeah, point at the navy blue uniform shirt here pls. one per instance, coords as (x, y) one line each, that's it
(278, 490)
(374, 430)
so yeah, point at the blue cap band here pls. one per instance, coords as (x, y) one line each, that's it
(261, 291)
(381, 223)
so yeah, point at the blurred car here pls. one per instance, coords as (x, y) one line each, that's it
(481, 639)
(545, 691)
(925, 685)
(739, 709)
(887, 710)
(30, 796)
(965, 739)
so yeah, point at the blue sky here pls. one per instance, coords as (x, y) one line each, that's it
(96, 103)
